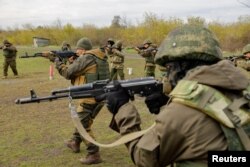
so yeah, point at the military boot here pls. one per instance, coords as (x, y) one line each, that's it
(73, 145)
(91, 159)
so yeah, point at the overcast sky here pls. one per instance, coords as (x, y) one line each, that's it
(15, 13)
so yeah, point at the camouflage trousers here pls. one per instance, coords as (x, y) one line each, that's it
(149, 71)
(9, 62)
(114, 73)
(89, 112)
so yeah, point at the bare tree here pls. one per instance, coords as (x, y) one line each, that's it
(245, 3)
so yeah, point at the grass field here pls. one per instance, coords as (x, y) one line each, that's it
(33, 135)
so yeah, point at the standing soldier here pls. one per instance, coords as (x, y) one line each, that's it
(117, 62)
(91, 65)
(243, 61)
(148, 51)
(9, 53)
(203, 114)
(108, 47)
(65, 46)
(246, 51)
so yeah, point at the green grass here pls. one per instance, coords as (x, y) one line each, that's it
(33, 135)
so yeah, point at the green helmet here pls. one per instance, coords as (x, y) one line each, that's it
(246, 49)
(147, 41)
(189, 42)
(84, 43)
(64, 43)
(111, 41)
(6, 42)
(118, 44)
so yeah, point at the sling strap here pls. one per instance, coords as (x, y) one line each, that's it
(124, 139)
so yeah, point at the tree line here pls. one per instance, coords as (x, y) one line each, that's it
(232, 36)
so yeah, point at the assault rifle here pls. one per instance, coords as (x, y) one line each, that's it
(61, 54)
(142, 47)
(234, 57)
(140, 86)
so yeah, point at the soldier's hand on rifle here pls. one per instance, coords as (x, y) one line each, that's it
(71, 59)
(155, 101)
(115, 99)
(50, 56)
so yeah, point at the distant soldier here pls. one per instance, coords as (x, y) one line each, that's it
(9, 53)
(244, 60)
(91, 65)
(108, 46)
(117, 62)
(65, 46)
(148, 51)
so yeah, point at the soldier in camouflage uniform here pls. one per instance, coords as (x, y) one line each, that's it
(117, 62)
(9, 53)
(183, 134)
(65, 46)
(91, 65)
(108, 47)
(148, 51)
(244, 60)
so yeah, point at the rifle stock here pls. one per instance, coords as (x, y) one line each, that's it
(140, 86)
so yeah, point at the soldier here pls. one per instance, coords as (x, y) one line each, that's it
(108, 46)
(243, 61)
(9, 53)
(148, 51)
(117, 62)
(184, 132)
(91, 65)
(65, 46)
(246, 51)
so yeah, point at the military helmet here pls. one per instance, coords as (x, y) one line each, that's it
(6, 41)
(147, 41)
(246, 49)
(84, 43)
(64, 43)
(189, 42)
(111, 40)
(118, 44)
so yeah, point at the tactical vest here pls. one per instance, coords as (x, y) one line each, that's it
(9, 53)
(102, 66)
(233, 115)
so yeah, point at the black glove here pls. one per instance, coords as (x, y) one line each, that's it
(114, 99)
(155, 101)
(58, 62)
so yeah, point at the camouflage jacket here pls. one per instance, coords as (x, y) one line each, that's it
(9, 51)
(117, 59)
(83, 70)
(182, 134)
(149, 55)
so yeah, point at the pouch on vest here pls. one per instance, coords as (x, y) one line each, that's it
(213, 103)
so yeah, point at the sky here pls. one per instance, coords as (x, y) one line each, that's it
(16, 13)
